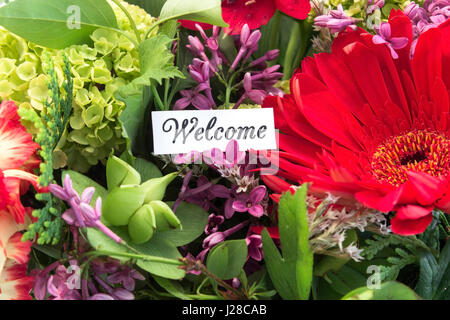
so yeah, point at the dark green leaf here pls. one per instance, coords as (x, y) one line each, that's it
(428, 271)
(46, 22)
(153, 7)
(146, 169)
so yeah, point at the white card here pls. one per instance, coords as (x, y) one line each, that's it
(177, 132)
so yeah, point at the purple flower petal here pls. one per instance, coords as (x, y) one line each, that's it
(256, 210)
(240, 206)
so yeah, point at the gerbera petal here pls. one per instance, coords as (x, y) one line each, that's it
(427, 61)
(410, 220)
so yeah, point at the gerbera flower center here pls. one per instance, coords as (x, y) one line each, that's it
(418, 151)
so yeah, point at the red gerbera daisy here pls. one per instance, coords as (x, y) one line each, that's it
(370, 128)
(256, 13)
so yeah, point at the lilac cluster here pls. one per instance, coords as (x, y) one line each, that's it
(244, 196)
(81, 214)
(249, 79)
(432, 14)
(104, 280)
(374, 5)
(336, 20)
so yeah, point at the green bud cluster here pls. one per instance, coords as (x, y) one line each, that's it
(50, 125)
(98, 70)
(137, 205)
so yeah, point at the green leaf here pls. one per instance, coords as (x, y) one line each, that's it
(172, 287)
(81, 182)
(146, 169)
(291, 274)
(154, 247)
(134, 119)
(206, 11)
(101, 242)
(428, 271)
(160, 248)
(156, 63)
(391, 290)
(193, 218)
(441, 281)
(227, 259)
(46, 22)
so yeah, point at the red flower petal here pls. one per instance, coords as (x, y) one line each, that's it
(411, 220)
(191, 25)
(297, 9)
(255, 13)
(273, 231)
(14, 282)
(15, 143)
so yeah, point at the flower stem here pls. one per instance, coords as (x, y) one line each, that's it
(157, 98)
(133, 24)
(198, 265)
(136, 256)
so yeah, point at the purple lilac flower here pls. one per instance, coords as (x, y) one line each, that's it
(218, 237)
(256, 95)
(374, 5)
(251, 202)
(214, 221)
(384, 36)
(195, 98)
(201, 96)
(431, 15)
(336, 21)
(202, 195)
(249, 44)
(254, 245)
(126, 277)
(81, 214)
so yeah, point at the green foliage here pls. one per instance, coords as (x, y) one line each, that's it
(434, 279)
(156, 247)
(391, 290)
(291, 272)
(227, 259)
(109, 61)
(46, 22)
(157, 63)
(406, 249)
(51, 126)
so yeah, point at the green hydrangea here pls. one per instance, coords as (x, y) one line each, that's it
(98, 70)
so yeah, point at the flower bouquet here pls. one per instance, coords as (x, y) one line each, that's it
(224, 150)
